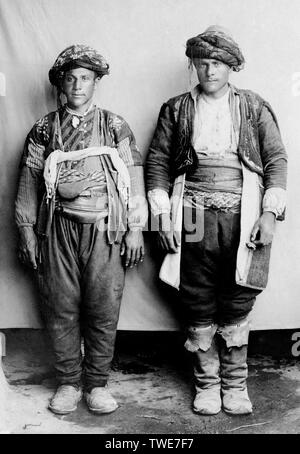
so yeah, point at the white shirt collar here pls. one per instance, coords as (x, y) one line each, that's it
(196, 92)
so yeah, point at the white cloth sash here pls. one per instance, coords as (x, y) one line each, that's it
(170, 269)
(58, 156)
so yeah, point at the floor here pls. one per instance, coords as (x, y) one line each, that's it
(151, 379)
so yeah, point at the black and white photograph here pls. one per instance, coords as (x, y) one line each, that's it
(150, 224)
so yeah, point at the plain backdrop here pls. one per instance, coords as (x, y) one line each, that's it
(144, 42)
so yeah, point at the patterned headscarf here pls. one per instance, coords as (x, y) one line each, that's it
(77, 56)
(216, 43)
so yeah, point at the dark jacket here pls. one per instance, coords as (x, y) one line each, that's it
(260, 146)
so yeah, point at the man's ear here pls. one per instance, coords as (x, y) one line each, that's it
(97, 80)
(61, 80)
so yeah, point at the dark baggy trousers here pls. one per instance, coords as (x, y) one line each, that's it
(208, 289)
(81, 280)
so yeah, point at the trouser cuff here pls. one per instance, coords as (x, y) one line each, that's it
(235, 335)
(200, 337)
(77, 385)
(89, 386)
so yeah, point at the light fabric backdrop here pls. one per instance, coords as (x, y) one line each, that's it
(144, 42)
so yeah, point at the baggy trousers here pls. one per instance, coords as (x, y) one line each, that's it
(209, 293)
(81, 280)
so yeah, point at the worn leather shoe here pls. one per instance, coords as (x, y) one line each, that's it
(65, 400)
(99, 401)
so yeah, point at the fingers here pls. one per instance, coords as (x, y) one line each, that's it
(133, 257)
(251, 245)
(162, 242)
(258, 243)
(133, 248)
(28, 258)
(256, 237)
(138, 256)
(263, 237)
(177, 238)
(264, 240)
(168, 242)
(172, 247)
(263, 230)
(254, 233)
(28, 248)
(129, 260)
(123, 247)
(32, 259)
(142, 256)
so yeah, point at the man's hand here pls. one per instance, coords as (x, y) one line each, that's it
(169, 240)
(28, 247)
(263, 230)
(133, 248)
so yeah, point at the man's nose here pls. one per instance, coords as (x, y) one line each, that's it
(210, 71)
(77, 84)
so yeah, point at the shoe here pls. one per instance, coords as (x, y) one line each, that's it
(236, 402)
(65, 400)
(100, 401)
(208, 401)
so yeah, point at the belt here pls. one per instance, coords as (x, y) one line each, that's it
(85, 203)
(81, 216)
(93, 192)
(84, 209)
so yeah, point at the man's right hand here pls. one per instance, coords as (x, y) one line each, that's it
(169, 240)
(28, 247)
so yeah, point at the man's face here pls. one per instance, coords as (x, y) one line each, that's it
(79, 85)
(213, 76)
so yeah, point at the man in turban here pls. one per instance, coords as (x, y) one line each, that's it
(80, 210)
(216, 180)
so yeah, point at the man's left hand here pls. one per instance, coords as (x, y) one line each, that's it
(133, 248)
(263, 230)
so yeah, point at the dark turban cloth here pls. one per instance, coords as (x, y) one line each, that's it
(218, 45)
(77, 56)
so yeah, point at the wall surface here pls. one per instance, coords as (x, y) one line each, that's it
(144, 42)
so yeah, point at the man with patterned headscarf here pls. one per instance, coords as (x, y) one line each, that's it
(216, 180)
(80, 210)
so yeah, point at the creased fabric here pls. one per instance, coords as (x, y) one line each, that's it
(260, 147)
(77, 55)
(261, 155)
(58, 156)
(200, 337)
(218, 45)
(235, 335)
(45, 137)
